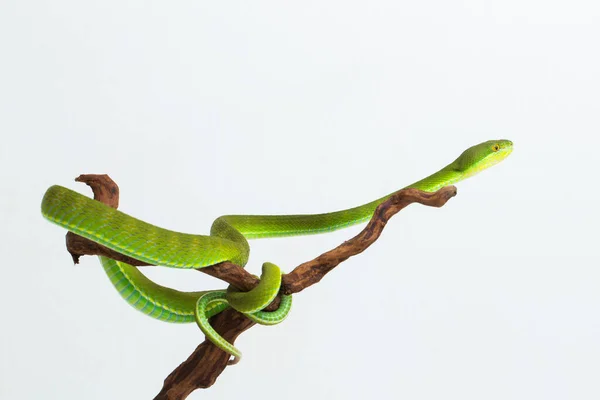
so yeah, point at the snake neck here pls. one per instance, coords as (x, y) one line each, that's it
(446, 176)
(434, 182)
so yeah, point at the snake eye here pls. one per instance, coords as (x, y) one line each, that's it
(496, 147)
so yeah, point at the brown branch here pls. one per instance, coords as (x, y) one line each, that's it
(311, 272)
(207, 362)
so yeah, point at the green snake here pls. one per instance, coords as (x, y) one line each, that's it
(227, 242)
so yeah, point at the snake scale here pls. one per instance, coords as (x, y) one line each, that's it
(227, 242)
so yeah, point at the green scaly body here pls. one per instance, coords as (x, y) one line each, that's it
(227, 242)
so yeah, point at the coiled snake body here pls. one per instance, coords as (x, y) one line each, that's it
(227, 242)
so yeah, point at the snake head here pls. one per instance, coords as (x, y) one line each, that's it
(482, 156)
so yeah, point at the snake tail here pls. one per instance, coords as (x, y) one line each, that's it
(263, 294)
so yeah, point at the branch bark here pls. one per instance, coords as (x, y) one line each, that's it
(207, 362)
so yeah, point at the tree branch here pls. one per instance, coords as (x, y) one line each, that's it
(207, 362)
(311, 272)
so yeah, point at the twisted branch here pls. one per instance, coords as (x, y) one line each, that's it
(207, 362)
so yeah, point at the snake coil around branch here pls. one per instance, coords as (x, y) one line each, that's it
(207, 362)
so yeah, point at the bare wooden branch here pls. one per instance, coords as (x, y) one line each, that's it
(207, 362)
(103, 187)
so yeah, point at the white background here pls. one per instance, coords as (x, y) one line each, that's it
(198, 109)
